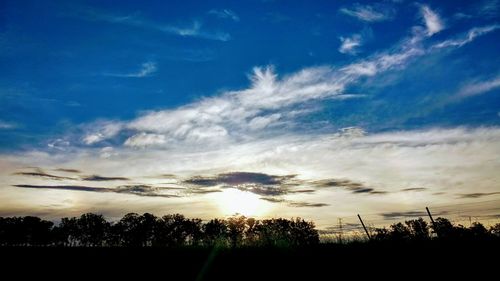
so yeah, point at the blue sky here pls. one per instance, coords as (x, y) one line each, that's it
(87, 85)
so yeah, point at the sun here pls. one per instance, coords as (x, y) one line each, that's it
(233, 201)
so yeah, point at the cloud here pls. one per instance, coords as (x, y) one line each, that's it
(146, 70)
(477, 194)
(478, 87)
(370, 13)
(144, 140)
(142, 190)
(4, 125)
(101, 130)
(416, 189)
(432, 20)
(193, 29)
(273, 199)
(42, 174)
(101, 178)
(257, 183)
(269, 106)
(139, 190)
(307, 204)
(469, 37)
(354, 187)
(402, 215)
(74, 171)
(225, 14)
(294, 204)
(65, 187)
(448, 161)
(489, 9)
(273, 185)
(350, 45)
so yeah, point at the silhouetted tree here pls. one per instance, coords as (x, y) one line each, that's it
(215, 232)
(303, 233)
(92, 229)
(128, 230)
(251, 233)
(477, 230)
(283, 232)
(495, 230)
(236, 229)
(28, 231)
(418, 228)
(67, 233)
(175, 230)
(399, 232)
(381, 234)
(443, 228)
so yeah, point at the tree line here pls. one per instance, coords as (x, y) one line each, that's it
(147, 230)
(441, 229)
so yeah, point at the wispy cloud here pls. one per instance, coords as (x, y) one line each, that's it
(263, 108)
(468, 37)
(146, 70)
(4, 125)
(307, 204)
(477, 194)
(486, 9)
(370, 13)
(101, 130)
(354, 187)
(225, 14)
(42, 174)
(489, 8)
(258, 183)
(478, 87)
(411, 214)
(101, 178)
(139, 190)
(192, 29)
(350, 45)
(432, 21)
(66, 170)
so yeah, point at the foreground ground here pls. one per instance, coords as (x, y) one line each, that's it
(322, 262)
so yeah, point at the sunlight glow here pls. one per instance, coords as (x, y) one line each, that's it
(234, 201)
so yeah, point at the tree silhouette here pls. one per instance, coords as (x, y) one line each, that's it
(399, 232)
(67, 233)
(129, 231)
(147, 230)
(418, 228)
(495, 230)
(477, 230)
(236, 228)
(215, 232)
(92, 229)
(25, 231)
(443, 228)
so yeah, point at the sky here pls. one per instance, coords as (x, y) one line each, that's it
(318, 110)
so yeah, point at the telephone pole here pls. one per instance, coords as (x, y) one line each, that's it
(340, 230)
(363, 224)
(432, 220)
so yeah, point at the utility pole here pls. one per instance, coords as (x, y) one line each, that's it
(363, 224)
(432, 220)
(340, 230)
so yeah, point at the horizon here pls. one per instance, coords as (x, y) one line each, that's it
(266, 109)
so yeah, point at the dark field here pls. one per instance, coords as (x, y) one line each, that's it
(375, 260)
